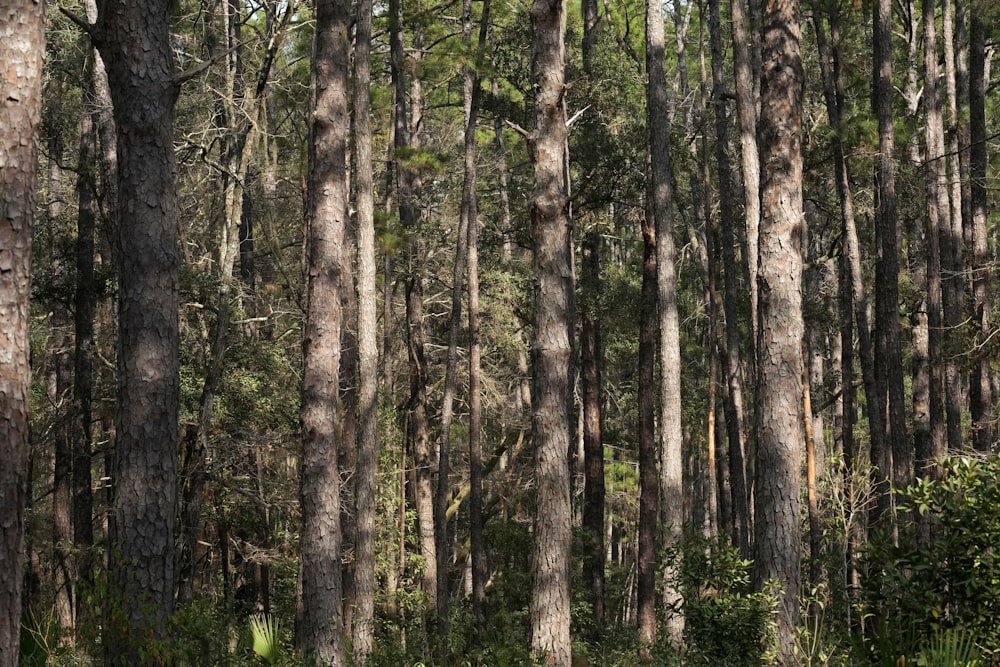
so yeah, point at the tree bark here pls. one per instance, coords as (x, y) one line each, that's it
(746, 109)
(671, 438)
(455, 323)
(22, 46)
(852, 299)
(470, 204)
(407, 124)
(888, 401)
(363, 627)
(980, 395)
(320, 628)
(727, 213)
(134, 41)
(83, 325)
(952, 272)
(937, 223)
(779, 387)
(551, 351)
(591, 362)
(649, 488)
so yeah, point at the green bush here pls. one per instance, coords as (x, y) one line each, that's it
(725, 622)
(944, 572)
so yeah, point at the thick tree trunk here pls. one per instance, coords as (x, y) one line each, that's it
(980, 394)
(320, 628)
(363, 627)
(134, 41)
(779, 387)
(551, 351)
(671, 439)
(22, 45)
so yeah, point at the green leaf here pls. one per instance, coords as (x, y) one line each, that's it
(264, 629)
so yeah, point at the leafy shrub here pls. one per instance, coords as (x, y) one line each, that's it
(725, 622)
(945, 570)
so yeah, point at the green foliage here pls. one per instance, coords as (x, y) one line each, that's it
(43, 643)
(264, 629)
(950, 648)
(725, 623)
(945, 571)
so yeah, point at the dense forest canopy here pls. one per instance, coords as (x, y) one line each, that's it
(481, 333)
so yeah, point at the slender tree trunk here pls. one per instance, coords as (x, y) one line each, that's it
(952, 274)
(812, 498)
(455, 323)
(363, 630)
(852, 299)
(84, 307)
(590, 376)
(320, 628)
(937, 223)
(551, 351)
(63, 575)
(727, 213)
(469, 200)
(980, 395)
(22, 46)
(779, 387)
(888, 400)
(408, 186)
(746, 109)
(591, 361)
(671, 439)
(649, 488)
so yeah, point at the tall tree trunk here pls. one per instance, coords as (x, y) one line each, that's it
(952, 274)
(470, 204)
(833, 93)
(455, 323)
(134, 41)
(671, 438)
(408, 185)
(320, 628)
(888, 400)
(63, 576)
(727, 213)
(593, 446)
(979, 386)
(746, 109)
(551, 351)
(649, 488)
(22, 45)
(591, 361)
(812, 499)
(779, 387)
(362, 629)
(937, 224)
(84, 307)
